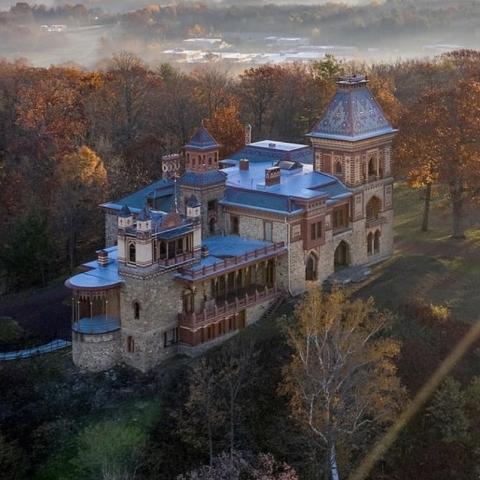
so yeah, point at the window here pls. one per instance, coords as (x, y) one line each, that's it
(372, 167)
(212, 205)
(136, 310)
(130, 344)
(316, 231)
(209, 160)
(376, 242)
(338, 168)
(170, 337)
(374, 206)
(234, 225)
(268, 231)
(132, 253)
(370, 243)
(311, 268)
(211, 225)
(340, 217)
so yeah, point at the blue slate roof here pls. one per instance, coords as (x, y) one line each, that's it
(203, 178)
(262, 152)
(260, 200)
(353, 114)
(161, 192)
(202, 140)
(97, 276)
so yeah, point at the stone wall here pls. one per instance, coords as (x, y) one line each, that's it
(111, 226)
(160, 300)
(96, 352)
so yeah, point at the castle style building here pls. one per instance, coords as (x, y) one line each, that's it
(189, 262)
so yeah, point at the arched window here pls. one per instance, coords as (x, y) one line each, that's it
(311, 273)
(136, 310)
(376, 242)
(370, 243)
(338, 168)
(211, 225)
(132, 253)
(373, 208)
(372, 167)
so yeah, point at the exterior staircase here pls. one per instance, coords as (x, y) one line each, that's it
(275, 305)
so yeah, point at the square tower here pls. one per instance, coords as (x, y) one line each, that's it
(353, 138)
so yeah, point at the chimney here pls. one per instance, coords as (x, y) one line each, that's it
(244, 164)
(248, 133)
(102, 258)
(272, 176)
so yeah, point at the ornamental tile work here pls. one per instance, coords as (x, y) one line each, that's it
(353, 114)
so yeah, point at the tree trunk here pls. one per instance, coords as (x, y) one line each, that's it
(426, 207)
(458, 229)
(333, 464)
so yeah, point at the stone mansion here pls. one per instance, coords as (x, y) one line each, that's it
(190, 261)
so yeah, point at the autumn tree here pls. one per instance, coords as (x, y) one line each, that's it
(257, 88)
(447, 145)
(226, 127)
(81, 180)
(417, 152)
(341, 378)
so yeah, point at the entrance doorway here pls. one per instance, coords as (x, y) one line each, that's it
(342, 256)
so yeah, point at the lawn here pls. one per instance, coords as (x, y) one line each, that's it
(428, 267)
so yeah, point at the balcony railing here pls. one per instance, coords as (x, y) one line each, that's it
(342, 229)
(97, 324)
(180, 258)
(375, 221)
(209, 315)
(231, 262)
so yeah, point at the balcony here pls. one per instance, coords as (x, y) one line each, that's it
(231, 263)
(177, 260)
(375, 221)
(232, 305)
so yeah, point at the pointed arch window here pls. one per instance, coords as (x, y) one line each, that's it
(132, 253)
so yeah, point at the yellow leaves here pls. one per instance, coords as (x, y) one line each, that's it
(83, 167)
(342, 370)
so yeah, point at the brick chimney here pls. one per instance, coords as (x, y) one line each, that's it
(102, 258)
(244, 164)
(272, 176)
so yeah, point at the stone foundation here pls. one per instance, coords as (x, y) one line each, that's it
(96, 352)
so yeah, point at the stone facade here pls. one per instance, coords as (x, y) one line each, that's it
(111, 221)
(187, 278)
(96, 352)
(159, 301)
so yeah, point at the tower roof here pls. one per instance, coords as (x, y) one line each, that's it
(200, 179)
(124, 212)
(192, 201)
(202, 140)
(144, 215)
(353, 113)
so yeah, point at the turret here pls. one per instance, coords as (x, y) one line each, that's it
(125, 217)
(194, 213)
(202, 152)
(144, 222)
